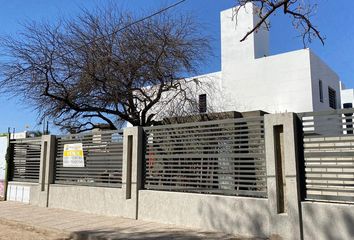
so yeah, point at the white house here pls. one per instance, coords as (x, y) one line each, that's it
(347, 96)
(253, 79)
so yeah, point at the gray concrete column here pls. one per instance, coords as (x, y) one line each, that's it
(132, 169)
(283, 176)
(46, 170)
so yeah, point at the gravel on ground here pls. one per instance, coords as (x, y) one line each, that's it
(10, 230)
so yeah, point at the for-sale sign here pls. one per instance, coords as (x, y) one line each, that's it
(73, 155)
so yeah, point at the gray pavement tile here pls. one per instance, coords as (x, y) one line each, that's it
(89, 226)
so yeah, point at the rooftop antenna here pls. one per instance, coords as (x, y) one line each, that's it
(47, 128)
(43, 126)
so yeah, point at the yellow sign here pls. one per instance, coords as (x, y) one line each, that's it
(73, 155)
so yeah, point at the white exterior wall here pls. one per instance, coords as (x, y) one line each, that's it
(253, 80)
(235, 23)
(250, 79)
(280, 83)
(320, 71)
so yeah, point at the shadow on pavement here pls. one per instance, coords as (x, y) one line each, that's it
(159, 235)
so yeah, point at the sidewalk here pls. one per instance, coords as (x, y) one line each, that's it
(79, 226)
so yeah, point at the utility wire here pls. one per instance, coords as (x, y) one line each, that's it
(116, 31)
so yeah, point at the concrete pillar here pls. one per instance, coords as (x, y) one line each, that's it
(283, 176)
(46, 170)
(132, 169)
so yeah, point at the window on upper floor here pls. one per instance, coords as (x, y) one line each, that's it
(202, 103)
(332, 98)
(320, 86)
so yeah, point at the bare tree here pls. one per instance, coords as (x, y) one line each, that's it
(91, 69)
(300, 12)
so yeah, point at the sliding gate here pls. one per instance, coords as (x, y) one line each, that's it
(216, 157)
(102, 164)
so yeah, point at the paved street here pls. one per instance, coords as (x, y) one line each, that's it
(25, 222)
(17, 231)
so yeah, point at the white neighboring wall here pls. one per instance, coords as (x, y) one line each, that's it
(173, 103)
(347, 95)
(3, 150)
(211, 85)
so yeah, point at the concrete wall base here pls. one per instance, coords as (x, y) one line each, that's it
(243, 216)
(328, 221)
(96, 200)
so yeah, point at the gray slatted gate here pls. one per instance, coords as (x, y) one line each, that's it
(25, 164)
(103, 152)
(218, 157)
(328, 144)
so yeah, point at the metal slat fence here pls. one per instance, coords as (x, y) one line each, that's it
(103, 156)
(328, 143)
(218, 157)
(25, 164)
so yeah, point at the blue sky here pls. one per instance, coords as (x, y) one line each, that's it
(335, 22)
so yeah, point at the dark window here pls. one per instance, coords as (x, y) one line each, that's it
(202, 103)
(321, 90)
(348, 118)
(347, 105)
(332, 98)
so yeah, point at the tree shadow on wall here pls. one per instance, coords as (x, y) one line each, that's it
(328, 221)
(242, 217)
